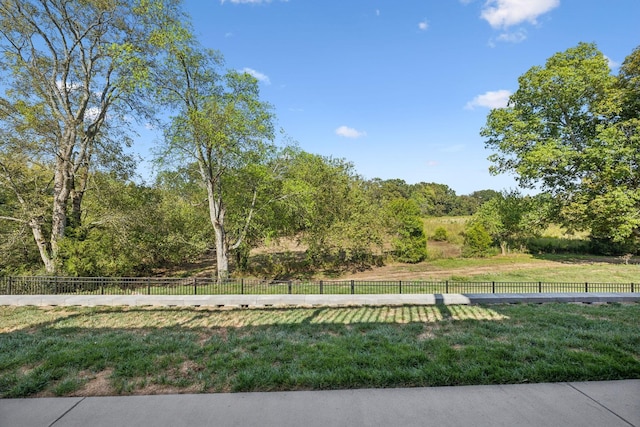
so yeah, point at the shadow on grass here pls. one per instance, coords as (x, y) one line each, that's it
(146, 351)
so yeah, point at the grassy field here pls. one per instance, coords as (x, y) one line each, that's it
(104, 351)
(510, 268)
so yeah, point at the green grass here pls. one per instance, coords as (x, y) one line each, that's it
(84, 351)
(453, 224)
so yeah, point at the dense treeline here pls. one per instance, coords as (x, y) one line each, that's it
(78, 77)
(133, 228)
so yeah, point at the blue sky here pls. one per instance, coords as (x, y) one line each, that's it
(401, 88)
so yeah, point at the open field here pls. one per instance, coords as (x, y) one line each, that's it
(76, 351)
(510, 268)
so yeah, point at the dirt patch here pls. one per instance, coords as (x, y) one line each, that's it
(98, 384)
(426, 335)
(189, 366)
(152, 389)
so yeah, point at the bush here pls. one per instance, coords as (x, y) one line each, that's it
(440, 235)
(477, 241)
(555, 245)
(406, 225)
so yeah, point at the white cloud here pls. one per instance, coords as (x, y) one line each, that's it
(612, 64)
(513, 37)
(377, 12)
(92, 114)
(491, 99)
(424, 25)
(432, 163)
(258, 75)
(506, 13)
(348, 132)
(69, 86)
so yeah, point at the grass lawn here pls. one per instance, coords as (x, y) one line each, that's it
(67, 351)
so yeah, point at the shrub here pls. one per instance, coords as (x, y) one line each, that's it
(477, 241)
(406, 226)
(440, 234)
(554, 245)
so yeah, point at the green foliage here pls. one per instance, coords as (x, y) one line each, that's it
(555, 245)
(434, 199)
(330, 211)
(117, 237)
(68, 98)
(440, 235)
(573, 130)
(510, 219)
(477, 241)
(406, 226)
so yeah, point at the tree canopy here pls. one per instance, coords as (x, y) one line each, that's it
(71, 74)
(572, 130)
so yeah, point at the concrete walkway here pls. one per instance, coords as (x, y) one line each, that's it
(584, 404)
(312, 300)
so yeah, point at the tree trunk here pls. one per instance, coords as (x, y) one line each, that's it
(222, 257)
(41, 242)
(77, 193)
(503, 247)
(62, 185)
(216, 215)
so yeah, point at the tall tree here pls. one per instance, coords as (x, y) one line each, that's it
(331, 210)
(572, 130)
(70, 69)
(221, 125)
(405, 225)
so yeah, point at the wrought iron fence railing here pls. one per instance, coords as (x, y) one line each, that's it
(52, 285)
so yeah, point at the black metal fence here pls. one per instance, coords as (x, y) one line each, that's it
(52, 285)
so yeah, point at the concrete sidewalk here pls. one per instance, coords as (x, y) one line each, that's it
(608, 403)
(308, 300)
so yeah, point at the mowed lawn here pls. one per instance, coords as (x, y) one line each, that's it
(83, 351)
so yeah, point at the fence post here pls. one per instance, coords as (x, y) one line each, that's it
(242, 286)
(632, 287)
(586, 286)
(10, 283)
(493, 287)
(446, 287)
(321, 290)
(55, 284)
(353, 290)
(289, 286)
(195, 286)
(102, 286)
(539, 287)
(148, 285)
(400, 285)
